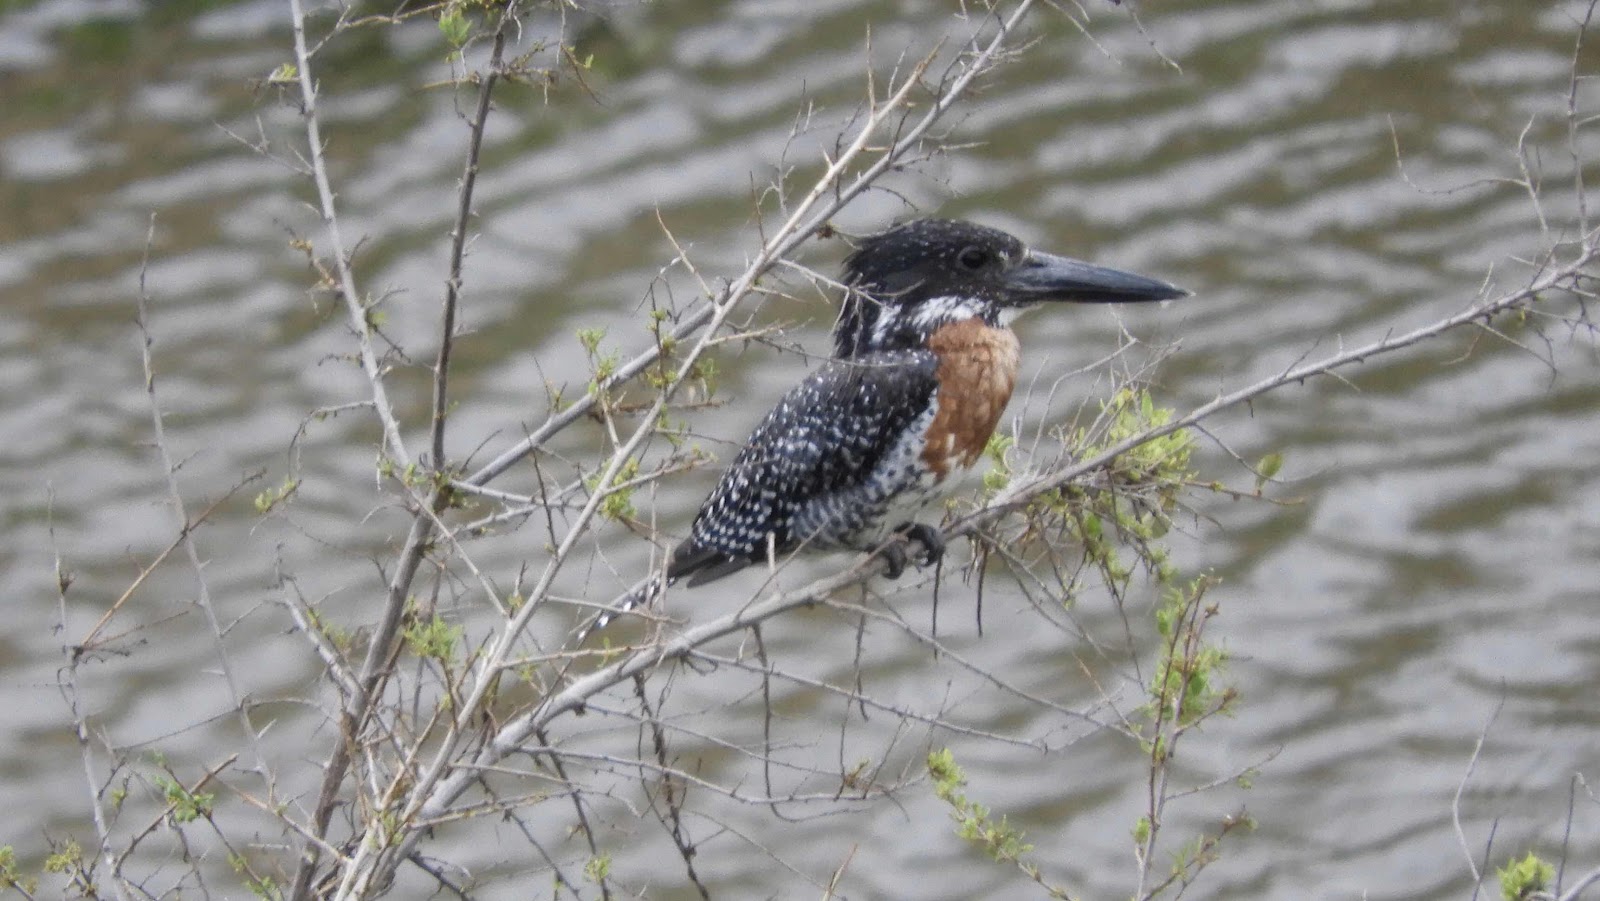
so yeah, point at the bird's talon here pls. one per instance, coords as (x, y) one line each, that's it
(931, 539)
(894, 551)
(894, 558)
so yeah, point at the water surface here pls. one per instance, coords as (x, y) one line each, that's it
(1429, 575)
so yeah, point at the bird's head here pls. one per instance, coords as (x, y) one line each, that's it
(904, 283)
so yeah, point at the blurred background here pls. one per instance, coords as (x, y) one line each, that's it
(1318, 173)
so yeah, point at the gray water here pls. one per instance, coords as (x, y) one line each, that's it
(1432, 559)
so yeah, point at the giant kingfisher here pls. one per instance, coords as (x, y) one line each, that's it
(924, 364)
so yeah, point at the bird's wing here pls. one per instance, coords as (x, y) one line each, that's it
(827, 435)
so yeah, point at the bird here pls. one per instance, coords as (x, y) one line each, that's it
(924, 362)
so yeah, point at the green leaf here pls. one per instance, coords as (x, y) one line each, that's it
(1522, 878)
(434, 638)
(1268, 468)
(455, 27)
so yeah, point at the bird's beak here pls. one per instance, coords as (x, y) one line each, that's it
(1045, 276)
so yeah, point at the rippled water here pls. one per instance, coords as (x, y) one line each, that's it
(1435, 559)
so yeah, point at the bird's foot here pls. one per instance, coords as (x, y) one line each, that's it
(894, 553)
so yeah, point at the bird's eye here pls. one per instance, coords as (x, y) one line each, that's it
(974, 258)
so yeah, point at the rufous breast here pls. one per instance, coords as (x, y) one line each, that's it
(977, 373)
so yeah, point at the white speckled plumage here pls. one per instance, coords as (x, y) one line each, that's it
(823, 467)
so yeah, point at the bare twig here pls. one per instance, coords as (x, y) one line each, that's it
(68, 681)
(458, 237)
(1455, 802)
(185, 527)
(357, 309)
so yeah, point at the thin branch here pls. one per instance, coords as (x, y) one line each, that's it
(68, 682)
(359, 322)
(185, 527)
(1455, 802)
(458, 237)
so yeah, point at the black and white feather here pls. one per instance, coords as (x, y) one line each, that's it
(824, 469)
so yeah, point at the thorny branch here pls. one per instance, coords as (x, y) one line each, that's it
(379, 649)
(360, 324)
(185, 528)
(69, 690)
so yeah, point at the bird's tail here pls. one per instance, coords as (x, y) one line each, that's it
(688, 560)
(645, 591)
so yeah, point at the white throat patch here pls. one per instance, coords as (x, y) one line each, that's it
(940, 310)
(1010, 314)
